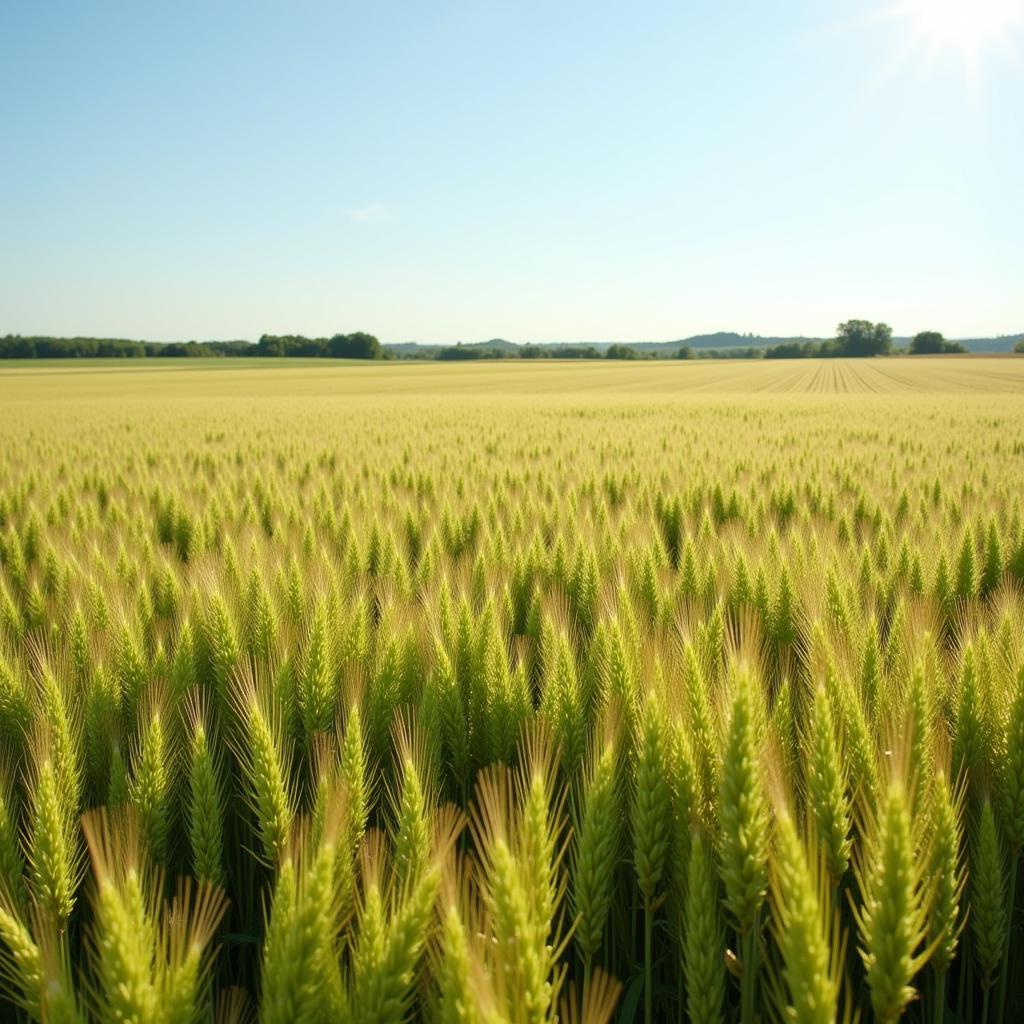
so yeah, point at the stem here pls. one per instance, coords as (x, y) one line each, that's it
(680, 999)
(1004, 970)
(939, 1010)
(963, 958)
(984, 1004)
(648, 982)
(749, 976)
(464, 833)
(587, 963)
(632, 925)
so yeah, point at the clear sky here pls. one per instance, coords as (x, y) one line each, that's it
(550, 171)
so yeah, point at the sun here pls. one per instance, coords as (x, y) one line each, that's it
(966, 25)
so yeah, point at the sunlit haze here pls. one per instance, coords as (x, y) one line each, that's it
(967, 25)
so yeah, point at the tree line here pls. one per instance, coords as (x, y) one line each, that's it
(341, 346)
(854, 339)
(860, 338)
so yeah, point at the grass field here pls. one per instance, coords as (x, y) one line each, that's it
(511, 692)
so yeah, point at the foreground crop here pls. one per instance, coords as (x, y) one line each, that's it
(615, 703)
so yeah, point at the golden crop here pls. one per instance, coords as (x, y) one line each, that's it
(512, 692)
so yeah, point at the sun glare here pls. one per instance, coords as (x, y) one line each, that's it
(966, 25)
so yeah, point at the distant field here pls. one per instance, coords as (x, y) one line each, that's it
(57, 381)
(696, 688)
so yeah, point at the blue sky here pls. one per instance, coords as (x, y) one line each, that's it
(547, 171)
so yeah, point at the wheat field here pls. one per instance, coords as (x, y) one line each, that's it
(512, 692)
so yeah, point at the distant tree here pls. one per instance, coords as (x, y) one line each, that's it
(933, 343)
(366, 345)
(683, 352)
(268, 345)
(621, 352)
(749, 352)
(308, 348)
(16, 347)
(231, 348)
(574, 352)
(292, 346)
(927, 343)
(532, 352)
(791, 350)
(863, 338)
(455, 353)
(1019, 347)
(184, 348)
(354, 346)
(176, 348)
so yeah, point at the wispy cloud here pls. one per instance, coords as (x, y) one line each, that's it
(373, 213)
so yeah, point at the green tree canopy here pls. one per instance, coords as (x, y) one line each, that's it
(933, 343)
(793, 350)
(269, 345)
(863, 338)
(621, 352)
(927, 343)
(354, 346)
